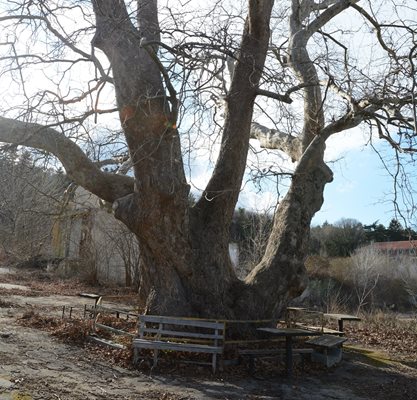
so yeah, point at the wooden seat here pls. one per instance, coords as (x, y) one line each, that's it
(327, 349)
(322, 329)
(179, 334)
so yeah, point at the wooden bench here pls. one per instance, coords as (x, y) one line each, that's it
(253, 354)
(91, 310)
(96, 297)
(327, 349)
(179, 334)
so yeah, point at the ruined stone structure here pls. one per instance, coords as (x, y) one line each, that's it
(91, 243)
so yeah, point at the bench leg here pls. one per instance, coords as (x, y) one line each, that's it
(251, 365)
(288, 356)
(155, 358)
(135, 356)
(214, 363)
(304, 357)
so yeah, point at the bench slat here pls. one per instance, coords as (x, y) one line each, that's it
(319, 329)
(326, 341)
(105, 342)
(169, 332)
(161, 345)
(181, 321)
(114, 330)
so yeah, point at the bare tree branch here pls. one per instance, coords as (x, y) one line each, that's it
(328, 14)
(107, 186)
(62, 38)
(273, 139)
(378, 30)
(281, 97)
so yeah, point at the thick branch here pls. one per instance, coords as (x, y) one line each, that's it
(305, 71)
(79, 168)
(348, 121)
(307, 6)
(281, 97)
(328, 14)
(136, 76)
(223, 188)
(273, 139)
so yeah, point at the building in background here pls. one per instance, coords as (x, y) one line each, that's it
(91, 244)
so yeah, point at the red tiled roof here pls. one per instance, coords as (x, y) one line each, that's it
(403, 245)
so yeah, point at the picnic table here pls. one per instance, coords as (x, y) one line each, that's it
(289, 334)
(96, 297)
(341, 318)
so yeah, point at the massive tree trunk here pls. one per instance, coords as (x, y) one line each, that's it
(185, 265)
(184, 258)
(157, 210)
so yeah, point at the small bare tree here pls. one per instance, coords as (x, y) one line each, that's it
(408, 272)
(125, 244)
(254, 244)
(366, 270)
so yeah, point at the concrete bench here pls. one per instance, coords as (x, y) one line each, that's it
(179, 334)
(327, 349)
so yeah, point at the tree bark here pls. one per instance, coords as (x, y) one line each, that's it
(281, 275)
(157, 210)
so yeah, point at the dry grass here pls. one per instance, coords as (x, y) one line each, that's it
(76, 331)
(69, 331)
(389, 331)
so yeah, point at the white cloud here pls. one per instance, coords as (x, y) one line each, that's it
(341, 143)
(260, 202)
(346, 187)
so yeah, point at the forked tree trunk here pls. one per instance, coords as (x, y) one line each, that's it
(184, 257)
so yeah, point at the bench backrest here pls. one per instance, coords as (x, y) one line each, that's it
(180, 329)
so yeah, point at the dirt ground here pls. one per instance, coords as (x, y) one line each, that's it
(36, 365)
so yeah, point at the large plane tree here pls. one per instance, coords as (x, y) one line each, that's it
(288, 75)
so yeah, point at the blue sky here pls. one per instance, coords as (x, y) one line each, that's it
(361, 189)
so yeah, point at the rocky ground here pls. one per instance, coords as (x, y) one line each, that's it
(36, 365)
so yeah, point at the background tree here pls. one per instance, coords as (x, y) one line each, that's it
(376, 232)
(393, 233)
(250, 230)
(338, 240)
(30, 198)
(205, 72)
